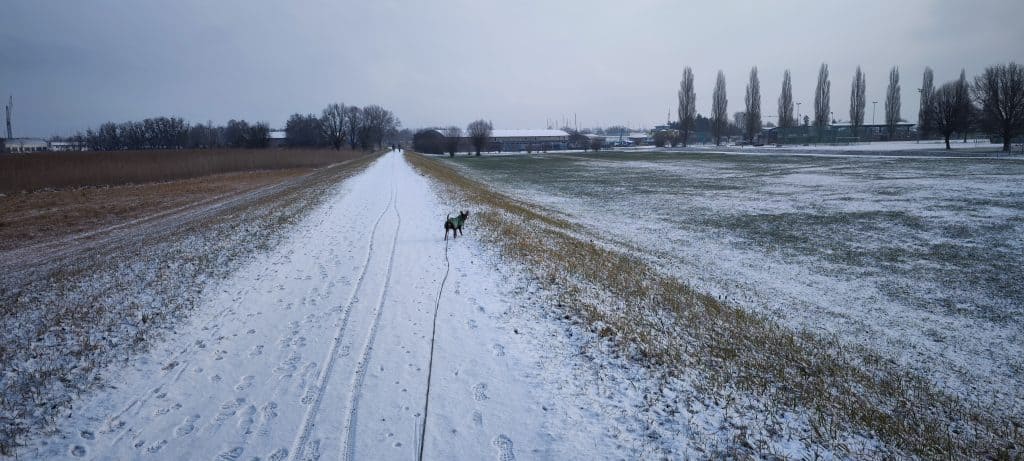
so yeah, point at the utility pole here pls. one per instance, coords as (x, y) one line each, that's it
(8, 109)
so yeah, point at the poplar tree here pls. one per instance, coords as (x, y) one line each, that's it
(687, 105)
(753, 106)
(719, 109)
(822, 96)
(892, 102)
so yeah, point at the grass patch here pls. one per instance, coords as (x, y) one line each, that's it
(667, 325)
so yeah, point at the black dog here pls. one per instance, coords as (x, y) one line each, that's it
(455, 224)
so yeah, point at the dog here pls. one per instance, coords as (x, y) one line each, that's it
(455, 224)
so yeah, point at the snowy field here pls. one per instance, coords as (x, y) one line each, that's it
(919, 258)
(320, 349)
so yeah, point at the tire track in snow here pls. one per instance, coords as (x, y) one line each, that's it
(360, 373)
(299, 445)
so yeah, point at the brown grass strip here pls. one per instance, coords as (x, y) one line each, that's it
(29, 172)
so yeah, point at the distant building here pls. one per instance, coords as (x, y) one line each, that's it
(838, 133)
(501, 141)
(26, 145)
(639, 139)
(277, 138)
(536, 140)
(67, 146)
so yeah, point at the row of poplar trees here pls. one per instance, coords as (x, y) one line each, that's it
(993, 102)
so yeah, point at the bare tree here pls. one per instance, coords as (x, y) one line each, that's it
(332, 122)
(353, 125)
(597, 143)
(719, 109)
(822, 96)
(999, 90)
(752, 123)
(786, 119)
(945, 109)
(687, 105)
(858, 100)
(452, 136)
(892, 102)
(479, 134)
(378, 122)
(924, 123)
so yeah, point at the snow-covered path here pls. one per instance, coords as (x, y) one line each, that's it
(319, 350)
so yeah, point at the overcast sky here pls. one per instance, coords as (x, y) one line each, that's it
(74, 64)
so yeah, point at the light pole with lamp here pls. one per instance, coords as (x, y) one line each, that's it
(920, 91)
(873, 128)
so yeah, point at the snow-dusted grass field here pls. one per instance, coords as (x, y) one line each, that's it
(919, 259)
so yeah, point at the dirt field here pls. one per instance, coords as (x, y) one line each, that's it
(29, 172)
(33, 218)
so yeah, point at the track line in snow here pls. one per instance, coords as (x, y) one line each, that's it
(430, 361)
(360, 373)
(299, 446)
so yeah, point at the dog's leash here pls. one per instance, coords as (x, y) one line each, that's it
(430, 362)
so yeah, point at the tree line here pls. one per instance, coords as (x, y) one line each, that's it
(338, 125)
(477, 135)
(173, 133)
(992, 102)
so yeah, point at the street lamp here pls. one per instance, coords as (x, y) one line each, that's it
(920, 91)
(873, 111)
(798, 110)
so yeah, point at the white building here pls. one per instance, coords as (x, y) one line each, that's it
(25, 145)
(277, 138)
(516, 140)
(519, 140)
(67, 146)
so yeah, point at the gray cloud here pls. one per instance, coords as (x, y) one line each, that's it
(73, 64)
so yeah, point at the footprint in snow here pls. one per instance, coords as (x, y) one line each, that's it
(504, 446)
(480, 392)
(88, 435)
(278, 455)
(156, 446)
(78, 451)
(228, 409)
(245, 383)
(247, 419)
(230, 455)
(267, 413)
(499, 350)
(187, 426)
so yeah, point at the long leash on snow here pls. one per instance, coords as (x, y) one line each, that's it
(430, 362)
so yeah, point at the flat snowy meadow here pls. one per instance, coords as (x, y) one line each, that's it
(918, 258)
